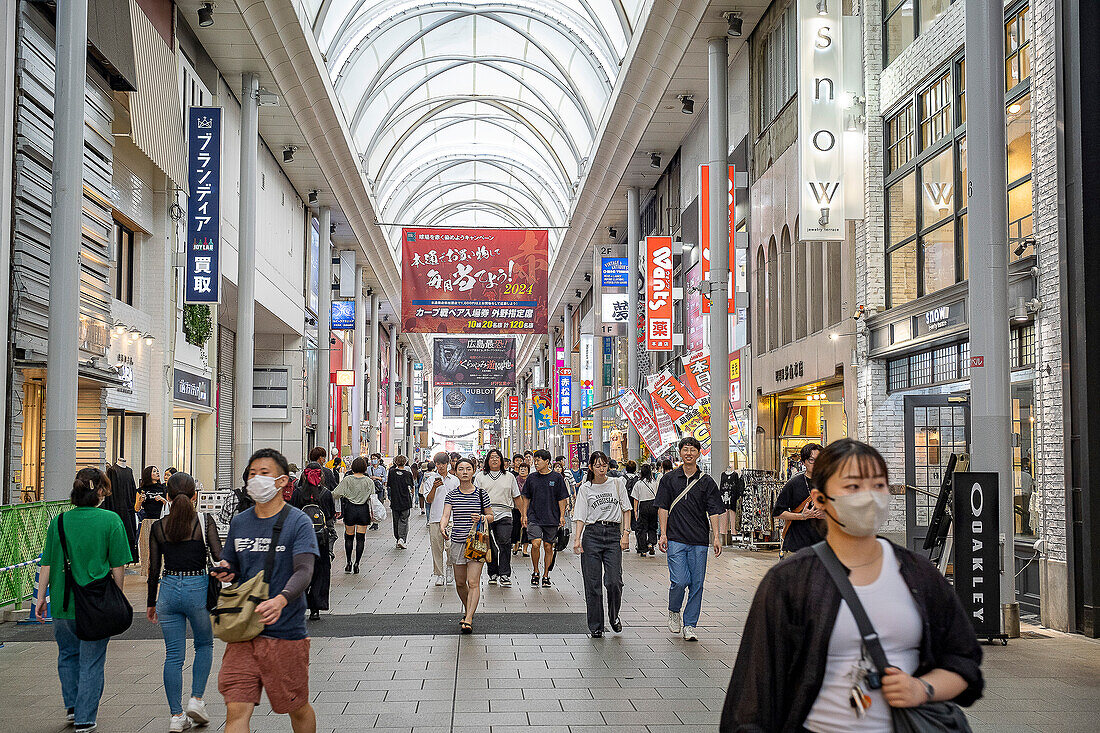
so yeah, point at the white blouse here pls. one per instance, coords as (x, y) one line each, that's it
(604, 502)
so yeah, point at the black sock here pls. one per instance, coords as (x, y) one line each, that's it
(360, 541)
(349, 541)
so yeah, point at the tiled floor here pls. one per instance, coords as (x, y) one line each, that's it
(643, 679)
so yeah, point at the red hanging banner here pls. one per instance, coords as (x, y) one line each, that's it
(658, 294)
(513, 408)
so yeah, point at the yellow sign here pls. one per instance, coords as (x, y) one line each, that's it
(571, 430)
(735, 368)
(586, 424)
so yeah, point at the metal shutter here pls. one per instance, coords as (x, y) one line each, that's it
(226, 344)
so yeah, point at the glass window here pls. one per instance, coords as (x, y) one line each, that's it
(124, 264)
(900, 28)
(1017, 49)
(937, 189)
(946, 361)
(897, 374)
(930, 10)
(1020, 222)
(964, 250)
(899, 132)
(935, 111)
(901, 210)
(938, 255)
(1018, 133)
(920, 369)
(962, 91)
(901, 264)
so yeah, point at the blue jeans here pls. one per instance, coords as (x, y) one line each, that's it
(80, 668)
(687, 565)
(182, 599)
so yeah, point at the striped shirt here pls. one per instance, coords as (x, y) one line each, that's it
(463, 508)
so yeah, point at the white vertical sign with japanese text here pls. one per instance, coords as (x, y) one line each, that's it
(202, 263)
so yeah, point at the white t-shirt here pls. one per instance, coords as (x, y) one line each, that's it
(501, 491)
(450, 482)
(604, 502)
(894, 614)
(645, 490)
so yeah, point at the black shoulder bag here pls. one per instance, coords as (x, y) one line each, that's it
(931, 717)
(101, 608)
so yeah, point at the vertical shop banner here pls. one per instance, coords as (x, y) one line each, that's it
(513, 407)
(202, 260)
(672, 396)
(469, 402)
(578, 452)
(643, 421)
(977, 550)
(473, 280)
(474, 362)
(587, 373)
(540, 403)
(704, 229)
(664, 423)
(735, 380)
(658, 293)
(694, 325)
(697, 376)
(565, 396)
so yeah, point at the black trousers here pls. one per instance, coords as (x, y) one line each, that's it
(500, 535)
(400, 523)
(317, 593)
(647, 526)
(602, 565)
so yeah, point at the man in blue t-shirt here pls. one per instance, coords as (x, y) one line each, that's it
(278, 659)
(546, 500)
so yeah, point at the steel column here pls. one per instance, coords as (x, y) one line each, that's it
(392, 388)
(718, 127)
(324, 334)
(358, 391)
(374, 429)
(633, 239)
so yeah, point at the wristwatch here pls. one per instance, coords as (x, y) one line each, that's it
(928, 688)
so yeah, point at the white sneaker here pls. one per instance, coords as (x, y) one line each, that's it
(401, 544)
(179, 723)
(196, 711)
(675, 625)
(438, 579)
(450, 575)
(689, 634)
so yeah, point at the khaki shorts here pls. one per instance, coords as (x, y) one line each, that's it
(456, 553)
(280, 666)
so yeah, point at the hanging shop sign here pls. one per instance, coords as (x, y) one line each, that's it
(578, 453)
(342, 315)
(418, 416)
(190, 388)
(694, 324)
(643, 422)
(473, 280)
(588, 424)
(735, 380)
(613, 272)
(565, 396)
(704, 231)
(202, 262)
(540, 402)
(821, 105)
(474, 362)
(672, 396)
(658, 294)
(697, 376)
(977, 550)
(346, 378)
(469, 402)
(513, 407)
(616, 307)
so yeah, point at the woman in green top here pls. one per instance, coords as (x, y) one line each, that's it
(97, 545)
(354, 493)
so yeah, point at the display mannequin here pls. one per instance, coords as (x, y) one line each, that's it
(122, 499)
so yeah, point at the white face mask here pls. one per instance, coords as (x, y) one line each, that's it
(262, 489)
(863, 513)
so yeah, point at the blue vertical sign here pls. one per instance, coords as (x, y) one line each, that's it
(565, 396)
(202, 265)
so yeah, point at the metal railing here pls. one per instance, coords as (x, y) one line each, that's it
(22, 535)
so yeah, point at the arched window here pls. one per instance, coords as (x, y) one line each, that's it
(760, 312)
(786, 288)
(773, 296)
(800, 286)
(816, 286)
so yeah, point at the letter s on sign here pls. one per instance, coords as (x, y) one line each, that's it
(977, 499)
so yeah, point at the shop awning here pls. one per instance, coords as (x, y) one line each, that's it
(89, 371)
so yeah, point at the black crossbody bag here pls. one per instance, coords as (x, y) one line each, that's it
(931, 717)
(101, 608)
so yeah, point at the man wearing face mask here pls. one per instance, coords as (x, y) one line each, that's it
(278, 659)
(796, 509)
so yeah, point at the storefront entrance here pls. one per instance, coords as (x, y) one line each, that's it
(935, 427)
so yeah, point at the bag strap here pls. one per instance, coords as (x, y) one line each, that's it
(69, 580)
(269, 562)
(685, 491)
(202, 529)
(867, 631)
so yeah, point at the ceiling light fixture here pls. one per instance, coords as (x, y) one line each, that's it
(288, 153)
(612, 232)
(655, 160)
(206, 15)
(313, 197)
(736, 25)
(578, 294)
(822, 7)
(687, 104)
(588, 277)
(149, 339)
(134, 334)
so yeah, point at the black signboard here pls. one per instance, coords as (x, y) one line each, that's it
(977, 551)
(188, 387)
(474, 362)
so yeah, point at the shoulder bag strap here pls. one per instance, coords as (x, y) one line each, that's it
(202, 529)
(269, 562)
(684, 492)
(69, 580)
(866, 629)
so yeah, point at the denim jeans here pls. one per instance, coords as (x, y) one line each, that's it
(80, 668)
(687, 565)
(182, 599)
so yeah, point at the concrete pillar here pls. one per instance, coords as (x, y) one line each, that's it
(324, 334)
(551, 359)
(246, 275)
(7, 172)
(569, 339)
(987, 222)
(718, 126)
(406, 400)
(373, 374)
(598, 391)
(633, 237)
(392, 391)
(63, 347)
(357, 392)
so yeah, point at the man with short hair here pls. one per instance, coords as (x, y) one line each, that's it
(689, 510)
(439, 483)
(547, 502)
(529, 459)
(796, 509)
(317, 455)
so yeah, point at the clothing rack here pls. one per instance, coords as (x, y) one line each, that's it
(758, 530)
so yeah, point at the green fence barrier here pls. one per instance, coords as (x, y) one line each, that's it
(22, 534)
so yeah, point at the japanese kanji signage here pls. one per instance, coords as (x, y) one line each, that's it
(474, 362)
(658, 293)
(513, 407)
(643, 422)
(735, 380)
(616, 307)
(202, 266)
(565, 396)
(473, 280)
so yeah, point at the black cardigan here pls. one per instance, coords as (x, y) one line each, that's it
(781, 663)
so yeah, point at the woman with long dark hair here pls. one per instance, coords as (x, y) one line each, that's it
(314, 498)
(183, 540)
(96, 544)
(399, 485)
(151, 503)
(803, 663)
(354, 492)
(601, 519)
(500, 485)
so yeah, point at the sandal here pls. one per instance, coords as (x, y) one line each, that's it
(467, 628)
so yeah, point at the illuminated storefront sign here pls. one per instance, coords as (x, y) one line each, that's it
(658, 294)
(202, 264)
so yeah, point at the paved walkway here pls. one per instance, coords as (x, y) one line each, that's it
(389, 657)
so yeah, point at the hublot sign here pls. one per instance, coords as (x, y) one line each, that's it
(190, 388)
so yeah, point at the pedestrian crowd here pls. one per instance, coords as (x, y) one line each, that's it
(805, 660)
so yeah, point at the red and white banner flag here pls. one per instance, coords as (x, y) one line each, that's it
(643, 422)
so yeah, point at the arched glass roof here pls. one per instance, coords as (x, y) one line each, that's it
(474, 113)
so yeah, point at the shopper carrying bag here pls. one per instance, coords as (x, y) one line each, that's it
(235, 618)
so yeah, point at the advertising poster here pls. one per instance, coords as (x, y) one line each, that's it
(613, 272)
(658, 293)
(735, 380)
(697, 376)
(693, 303)
(342, 315)
(469, 402)
(642, 420)
(664, 423)
(474, 362)
(202, 264)
(473, 280)
(578, 454)
(977, 550)
(540, 402)
(672, 396)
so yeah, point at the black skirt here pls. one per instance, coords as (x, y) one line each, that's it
(355, 514)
